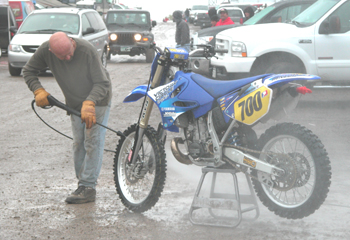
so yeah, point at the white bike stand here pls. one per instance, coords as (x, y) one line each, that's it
(223, 204)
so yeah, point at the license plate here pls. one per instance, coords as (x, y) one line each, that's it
(125, 49)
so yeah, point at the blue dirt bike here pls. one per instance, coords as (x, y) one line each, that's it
(288, 164)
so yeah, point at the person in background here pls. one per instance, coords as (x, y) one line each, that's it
(224, 18)
(182, 33)
(187, 14)
(212, 12)
(214, 20)
(248, 12)
(86, 86)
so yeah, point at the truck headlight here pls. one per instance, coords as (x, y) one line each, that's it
(113, 37)
(14, 48)
(238, 49)
(137, 37)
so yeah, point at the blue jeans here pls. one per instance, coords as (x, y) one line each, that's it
(186, 46)
(88, 145)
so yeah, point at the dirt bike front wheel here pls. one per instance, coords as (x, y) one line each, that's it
(305, 184)
(139, 185)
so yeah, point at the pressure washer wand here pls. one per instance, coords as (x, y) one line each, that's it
(54, 102)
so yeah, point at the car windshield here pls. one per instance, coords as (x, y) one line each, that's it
(257, 17)
(314, 12)
(50, 22)
(128, 18)
(200, 7)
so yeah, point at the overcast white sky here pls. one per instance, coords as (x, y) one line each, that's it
(161, 8)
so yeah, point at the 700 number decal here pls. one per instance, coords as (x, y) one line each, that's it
(252, 107)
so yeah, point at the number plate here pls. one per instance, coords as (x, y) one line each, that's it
(253, 106)
(125, 49)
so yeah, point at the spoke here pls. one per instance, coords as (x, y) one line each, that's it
(294, 190)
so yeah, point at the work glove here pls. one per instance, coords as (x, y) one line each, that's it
(41, 97)
(88, 114)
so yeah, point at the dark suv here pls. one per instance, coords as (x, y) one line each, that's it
(126, 29)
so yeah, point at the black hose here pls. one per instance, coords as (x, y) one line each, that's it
(55, 102)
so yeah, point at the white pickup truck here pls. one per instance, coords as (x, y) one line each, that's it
(316, 42)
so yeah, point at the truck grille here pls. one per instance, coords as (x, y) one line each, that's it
(204, 16)
(30, 49)
(125, 39)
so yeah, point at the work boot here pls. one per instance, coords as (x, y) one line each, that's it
(82, 195)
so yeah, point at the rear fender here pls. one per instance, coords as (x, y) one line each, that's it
(136, 94)
(277, 80)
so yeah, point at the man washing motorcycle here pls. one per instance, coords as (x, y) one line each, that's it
(86, 86)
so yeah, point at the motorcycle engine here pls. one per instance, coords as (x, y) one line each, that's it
(198, 139)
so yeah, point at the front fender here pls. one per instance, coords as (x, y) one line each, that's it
(136, 94)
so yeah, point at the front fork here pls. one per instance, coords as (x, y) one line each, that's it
(146, 110)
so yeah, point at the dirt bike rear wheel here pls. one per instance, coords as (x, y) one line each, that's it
(311, 165)
(139, 186)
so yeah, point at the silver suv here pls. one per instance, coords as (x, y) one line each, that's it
(41, 24)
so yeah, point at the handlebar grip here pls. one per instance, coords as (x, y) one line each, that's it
(221, 50)
(54, 102)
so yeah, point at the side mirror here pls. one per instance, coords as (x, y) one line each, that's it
(154, 23)
(13, 29)
(89, 30)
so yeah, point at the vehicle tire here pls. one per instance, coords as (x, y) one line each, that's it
(299, 194)
(109, 56)
(104, 58)
(150, 54)
(14, 71)
(140, 188)
(282, 67)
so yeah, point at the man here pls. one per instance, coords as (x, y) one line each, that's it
(182, 33)
(224, 18)
(86, 86)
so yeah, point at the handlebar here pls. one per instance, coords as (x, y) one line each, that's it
(221, 50)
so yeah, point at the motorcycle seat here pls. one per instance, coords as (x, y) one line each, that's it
(218, 88)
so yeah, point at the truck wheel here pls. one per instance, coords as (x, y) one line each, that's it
(15, 71)
(109, 56)
(150, 55)
(282, 67)
(104, 58)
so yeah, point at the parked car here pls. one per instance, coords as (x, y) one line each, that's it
(241, 5)
(127, 28)
(86, 4)
(282, 11)
(8, 26)
(315, 42)
(235, 13)
(197, 9)
(41, 24)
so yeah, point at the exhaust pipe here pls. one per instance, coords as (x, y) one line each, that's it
(179, 156)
